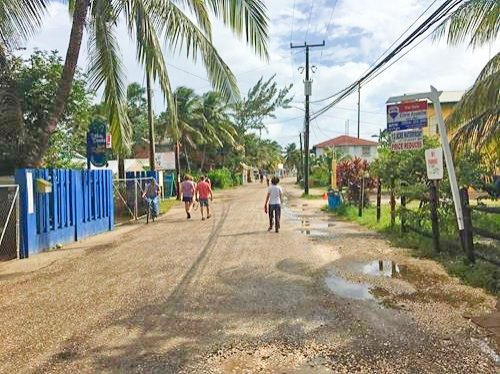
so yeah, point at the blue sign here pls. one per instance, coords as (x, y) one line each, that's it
(96, 143)
(407, 115)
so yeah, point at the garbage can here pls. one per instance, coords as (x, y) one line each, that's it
(333, 200)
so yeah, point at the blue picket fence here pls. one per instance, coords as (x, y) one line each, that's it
(80, 205)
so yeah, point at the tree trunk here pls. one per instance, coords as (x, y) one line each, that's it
(177, 170)
(121, 167)
(66, 81)
(203, 157)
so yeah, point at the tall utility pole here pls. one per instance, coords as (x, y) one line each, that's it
(150, 123)
(359, 100)
(301, 155)
(307, 93)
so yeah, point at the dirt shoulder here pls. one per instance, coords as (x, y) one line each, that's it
(226, 296)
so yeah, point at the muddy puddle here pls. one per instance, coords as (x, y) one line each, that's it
(347, 289)
(377, 268)
(315, 233)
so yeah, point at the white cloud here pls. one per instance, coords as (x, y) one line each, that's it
(358, 33)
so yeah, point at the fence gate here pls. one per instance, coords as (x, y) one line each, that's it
(9, 222)
(128, 202)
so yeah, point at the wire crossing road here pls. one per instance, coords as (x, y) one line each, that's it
(226, 296)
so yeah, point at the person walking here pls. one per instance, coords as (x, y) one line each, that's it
(273, 198)
(188, 189)
(203, 192)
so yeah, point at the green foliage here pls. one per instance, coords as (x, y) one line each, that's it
(262, 101)
(221, 178)
(36, 82)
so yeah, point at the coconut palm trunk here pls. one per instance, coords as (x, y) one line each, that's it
(66, 81)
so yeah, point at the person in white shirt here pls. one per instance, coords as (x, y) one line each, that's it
(273, 198)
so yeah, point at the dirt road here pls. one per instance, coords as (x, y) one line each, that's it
(226, 296)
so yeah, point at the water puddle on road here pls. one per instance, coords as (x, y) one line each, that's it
(377, 268)
(308, 232)
(346, 289)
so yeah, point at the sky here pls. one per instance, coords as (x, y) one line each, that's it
(356, 33)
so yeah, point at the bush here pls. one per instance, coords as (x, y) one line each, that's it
(221, 178)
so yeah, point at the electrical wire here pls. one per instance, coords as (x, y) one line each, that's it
(431, 20)
(443, 11)
(309, 21)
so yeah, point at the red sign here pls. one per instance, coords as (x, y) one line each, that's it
(108, 141)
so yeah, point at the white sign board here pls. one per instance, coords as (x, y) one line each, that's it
(407, 140)
(29, 190)
(165, 160)
(434, 163)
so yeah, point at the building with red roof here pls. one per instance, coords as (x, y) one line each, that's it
(354, 147)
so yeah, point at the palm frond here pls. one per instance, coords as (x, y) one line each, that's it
(245, 17)
(481, 98)
(200, 10)
(179, 31)
(106, 68)
(19, 19)
(478, 132)
(476, 20)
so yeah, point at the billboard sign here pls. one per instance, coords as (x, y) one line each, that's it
(434, 163)
(407, 140)
(165, 160)
(407, 115)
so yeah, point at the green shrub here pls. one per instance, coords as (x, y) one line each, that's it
(221, 178)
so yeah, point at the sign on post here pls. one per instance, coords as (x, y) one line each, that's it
(434, 163)
(165, 160)
(96, 143)
(407, 140)
(407, 115)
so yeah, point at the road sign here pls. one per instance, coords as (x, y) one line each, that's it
(434, 163)
(407, 140)
(406, 115)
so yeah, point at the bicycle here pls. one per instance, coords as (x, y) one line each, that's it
(151, 211)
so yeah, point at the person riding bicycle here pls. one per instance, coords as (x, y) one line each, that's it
(151, 194)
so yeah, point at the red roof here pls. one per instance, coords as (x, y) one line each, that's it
(344, 140)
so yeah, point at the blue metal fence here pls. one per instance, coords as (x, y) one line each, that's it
(80, 205)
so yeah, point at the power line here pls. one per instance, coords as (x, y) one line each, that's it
(443, 11)
(309, 21)
(431, 20)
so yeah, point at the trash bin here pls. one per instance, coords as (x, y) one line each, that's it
(333, 200)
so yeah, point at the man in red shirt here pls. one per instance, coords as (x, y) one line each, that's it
(203, 192)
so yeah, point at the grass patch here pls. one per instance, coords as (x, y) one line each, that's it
(481, 274)
(165, 205)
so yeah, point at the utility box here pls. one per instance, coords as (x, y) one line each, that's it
(307, 88)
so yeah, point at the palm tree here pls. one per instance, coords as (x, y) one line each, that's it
(217, 129)
(149, 21)
(475, 119)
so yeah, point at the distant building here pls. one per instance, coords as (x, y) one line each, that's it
(348, 145)
(448, 100)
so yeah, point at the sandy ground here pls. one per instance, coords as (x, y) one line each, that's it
(226, 296)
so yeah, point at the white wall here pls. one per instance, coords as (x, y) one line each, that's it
(353, 151)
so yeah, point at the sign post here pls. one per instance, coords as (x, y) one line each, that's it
(97, 144)
(433, 95)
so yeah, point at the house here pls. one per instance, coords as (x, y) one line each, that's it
(448, 100)
(354, 147)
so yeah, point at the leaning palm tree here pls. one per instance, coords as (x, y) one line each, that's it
(183, 25)
(475, 119)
